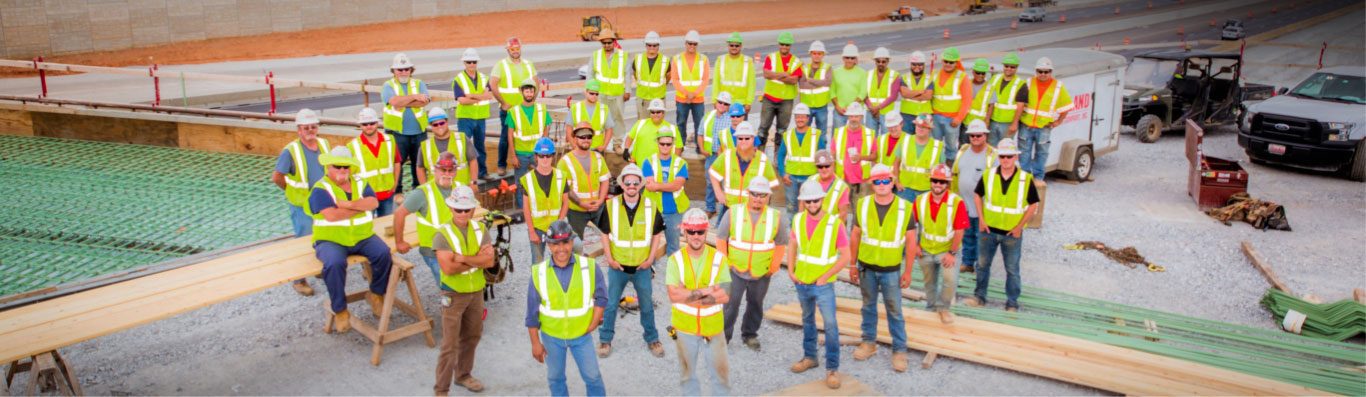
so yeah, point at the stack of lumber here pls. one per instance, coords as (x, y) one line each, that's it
(1055, 356)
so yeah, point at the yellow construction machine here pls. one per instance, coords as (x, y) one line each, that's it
(594, 26)
(979, 7)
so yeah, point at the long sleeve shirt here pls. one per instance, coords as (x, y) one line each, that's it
(564, 275)
(964, 88)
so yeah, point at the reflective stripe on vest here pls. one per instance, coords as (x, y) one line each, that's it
(911, 106)
(815, 256)
(1004, 110)
(584, 182)
(690, 77)
(651, 80)
(880, 92)
(478, 110)
(630, 240)
(526, 141)
(376, 170)
(947, 97)
(471, 280)
(393, 118)
(777, 88)
(455, 146)
(643, 138)
(296, 183)
(915, 167)
(345, 232)
(723, 67)
(882, 243)
(566, 314)
(1002, 211)
(613, 84)
(438, 213)
(544, 206)
(737, 188)
(510, 83)
(750, 249)
(1037, 117)
(681, 202)
(978, 110)
(866, 149)
(936, 231)
(697, 320)
(596, 119)
(801, 157)
(830, 203)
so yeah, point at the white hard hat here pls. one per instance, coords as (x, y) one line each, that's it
(880, 171)
(401, 61)
(367, 115)
(1044, 63)
(436, 112)
(306, 117)
(656, 104)
(811, 190)
(629, 170)
(817, 46)
(652, 38)
(850, 50)
(802, 109)
(694, 218)
(528, 82)
(470, 55)
(760, 185)
(978, 127)
(692, 37)
(462, 198)
(744, 129)
(724, 97)
(917, 57)
(881, 52)
(854, 109)
(891, 119)
(1007, 147)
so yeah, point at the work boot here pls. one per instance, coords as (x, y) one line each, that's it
(376, 302)
(803, 365)
(972, 301)
(899, 362)
(342, 321)
(832, 379)
(471, 384)
(967, 269)
(301, 286)
(657, 348)
(864, 350)
(946, 317)
(752, 343)
(1012, 309)
(604, 350)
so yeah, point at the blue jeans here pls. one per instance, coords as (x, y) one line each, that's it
(685, 109)
(1033, 144)
(386, 207)
(837, 120)
(693, 351)
(616, 283)
(475, 129)
(945, 132)
(968, 256)
(940, 284)
(435, 267)
(792, 191)
(819, 116)
(1010, 254)
(557, 352)
(998, 131)
(711, 195)
(302, 221)
(526, 164)
(333, 256)
(909, 194)
(503, 144)
(538, 250)
(822, 297)
(889, 285)
(671, 222)
(874, 120)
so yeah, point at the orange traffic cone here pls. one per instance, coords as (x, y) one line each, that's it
(1180, 30)
(1116, 10)
(946, 33)
(1014, 25)
(1126, 40)
(1062, 18)
(1211, 22)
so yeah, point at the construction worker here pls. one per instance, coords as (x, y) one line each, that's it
(691, 75)
(879, 82)
(378, 160)
(440, 143)
(546, 196)
(887, 143)
(734, 73)
(881, 225)
(588, 176)
(530, 122)
(296, 170)
(697, 281)
(848, 85)
(427, 201)
(404, 98)
(464, 249)
(856, 147)
(641, 140)
(782, 70)
(1005, 88)
(753, 239)
(916, 89)
(607, 65)
(732, 173)
(561, 313)
(814, 87)
(836, 200)
(950, 87)
(1006, 198)
(915, 158)
(1046, 103)
(980, 105)
(508, 74)
(719, 137)
(799, 154)
(632, 239)
(665, 174)
(650, 73)
(473, 97)
(943, 219)
(974, 158)
(817, 250)
(590, 110)
(343, 226)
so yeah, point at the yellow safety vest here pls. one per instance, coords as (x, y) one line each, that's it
(880, 90)
(377, 171)
(841, 142)
(978, 109)
(438, 213)
(610, 71)
(818, 97)
(831, 202)
(510, 81)
(1004, 206)
(595, 118)
(456, 146)
(689, 75)
(565, 314)
(883, 241)
(584, 182)
(478, 110)
(296, 183)
(643, 138)
(524, 135)
(915, 167)
(1004, 111)
(393, 117)
(696, 319)
(631, 240)
(947, 96)
(777, 88)
(734, 76)
(915, 107)
(801, 157)
(936, 232)
(651, 83)
(345, 232)
(816, 252)
(681, 202)
(471, 280)
(708, 141)
(544, 205)
(1042, 110)
(752, 241)
(735, 182)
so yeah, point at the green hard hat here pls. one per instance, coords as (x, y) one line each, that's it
(735, 38)
(951, 54)
(785, 38)
(981, 65)
(1011, 59)
(592, 85)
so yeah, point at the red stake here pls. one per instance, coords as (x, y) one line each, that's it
(156, 85)
(42, 76)
(1321, 51)
(270, 81)
(946, 32)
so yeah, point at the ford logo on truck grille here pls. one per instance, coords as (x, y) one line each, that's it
(1281, 127)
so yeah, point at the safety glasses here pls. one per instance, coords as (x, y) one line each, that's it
(436, 124)
(881, 182)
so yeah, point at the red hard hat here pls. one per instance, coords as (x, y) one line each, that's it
(941, 172)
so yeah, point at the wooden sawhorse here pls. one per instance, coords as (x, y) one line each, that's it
(402, 271)
(49, 372)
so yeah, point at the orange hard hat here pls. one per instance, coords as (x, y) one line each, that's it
(941, 172)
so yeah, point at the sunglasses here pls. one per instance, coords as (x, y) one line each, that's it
(1043, 71)
(917, 65)
(734, 46)
(471, 62)
(340, 167)
(545, 156)
(309, 127)
(656, 112)
(1006, 156)
(758, 195)
(436, 124)
(458, 211)
(938, 182)
(970, 136)
(1010, 66)
(812, 202)
(979, 73)
(373, 123)
(591, 93)
(691, 43)
(821, 167)
(589, 136)
(630, 184)
(881, 182)
(696, 232)
(784, 45)
(851, 58)
(726, 104)
(404, 70)
(743, 138)
(881, 61)
(662, 144)
(652, 46)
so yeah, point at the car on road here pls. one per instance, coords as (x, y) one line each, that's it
(1319, 124)
(1233, 30)
(1165, 88)
(906, 14)
(583, 72)
(1033, 14)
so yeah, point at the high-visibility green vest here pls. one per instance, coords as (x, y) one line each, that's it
(455, 145)
(752, 240)
(883, 241)
(595, 118)
(689, 74)
(610, 71)
(643, 138)
(1003, 206)
(912, 106)
(345, 232)
(936, 231)
(509, 83)
(880, 90)
(471, 280)
(478, 110)
(1041, 110)
(1004, 112)
(584, 179)
(830, 204)
(708, 141)
(916, 166)
(651, 83)
(393, 117)
(735, 182)
(841, 142)
(437, 213)
(525, 132)
(801, 157)
(296, 183)
(376, 170)
(544, 204)
(698, 319)
(884, 142)
(631, 240)
(565, 314)
(735, 76)
(991, 163)
(978, 109)
(947, 96)
(662, 175)
(818, 251)
(818, 97)
(777, 88)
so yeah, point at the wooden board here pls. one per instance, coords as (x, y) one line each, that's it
(1262, 266)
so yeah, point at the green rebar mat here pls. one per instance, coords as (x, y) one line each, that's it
(1338, 321)
(79, 209)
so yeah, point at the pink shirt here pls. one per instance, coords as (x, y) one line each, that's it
(844, 197)
(841, 238)
(853, 170)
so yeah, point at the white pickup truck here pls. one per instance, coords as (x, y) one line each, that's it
(1319, 124)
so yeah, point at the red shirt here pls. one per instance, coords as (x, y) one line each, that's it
(1043, 87)
(786, 60)
(960, 220)
(374, 151)
(891, 144)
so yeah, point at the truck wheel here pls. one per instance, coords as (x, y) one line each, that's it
(1081, 165)
(1149, 128)
(1358, 170)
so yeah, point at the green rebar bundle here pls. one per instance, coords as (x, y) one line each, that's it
(1337, 321)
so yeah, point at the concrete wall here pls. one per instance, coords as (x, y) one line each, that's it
(30, 28)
